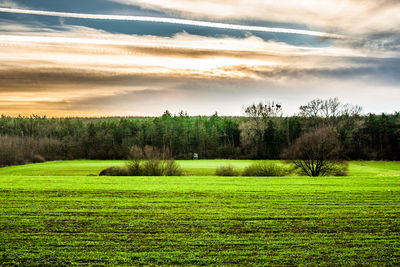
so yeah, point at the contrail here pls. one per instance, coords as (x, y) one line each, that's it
(198, 23)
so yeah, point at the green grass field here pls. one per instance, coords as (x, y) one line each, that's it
(55, 214)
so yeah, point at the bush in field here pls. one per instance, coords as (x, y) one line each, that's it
(161, 168)
(335, 169)
(265, 169)
(145, 168)
(227, 170)
(317, 153)
(134, 168)
(114, 171)
(171, 168)
(153, 168)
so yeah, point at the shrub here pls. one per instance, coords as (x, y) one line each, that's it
(161, 168)
(265, 169)
(227, 170)
(171, 168)
(153, 168)
(134, 168)
(335, 169)
(316, 153)
(114, 171)
(145, 168)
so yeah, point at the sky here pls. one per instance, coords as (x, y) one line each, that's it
(141, 57)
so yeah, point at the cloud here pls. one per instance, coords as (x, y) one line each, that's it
(198, 23)
(10, 4)
(86, 60)
(355, 17)
(74, 70)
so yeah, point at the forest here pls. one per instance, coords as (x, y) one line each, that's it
(261, 133)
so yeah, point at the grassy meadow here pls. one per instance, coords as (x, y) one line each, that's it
(55, 213)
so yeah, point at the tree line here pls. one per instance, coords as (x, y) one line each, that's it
(262, 133)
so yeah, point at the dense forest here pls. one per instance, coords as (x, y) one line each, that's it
(262, 133)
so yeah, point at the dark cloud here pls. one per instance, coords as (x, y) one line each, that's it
(376, 71)
(121, 100)
(201, 53)
(379, 71)
(72, 79)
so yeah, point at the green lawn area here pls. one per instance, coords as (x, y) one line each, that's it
(191, 167)
(87, 167)
(55, 214)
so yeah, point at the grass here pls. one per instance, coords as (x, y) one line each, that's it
(54, 214)
(191, 167)
(87, 167)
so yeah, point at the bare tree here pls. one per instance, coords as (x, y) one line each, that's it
(350, 110)
(312, 109)
(263, 111)
(328, 110)
(316, 153)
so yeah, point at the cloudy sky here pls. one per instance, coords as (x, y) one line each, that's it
(142, 57)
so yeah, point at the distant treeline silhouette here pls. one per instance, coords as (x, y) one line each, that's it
(261, 134)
